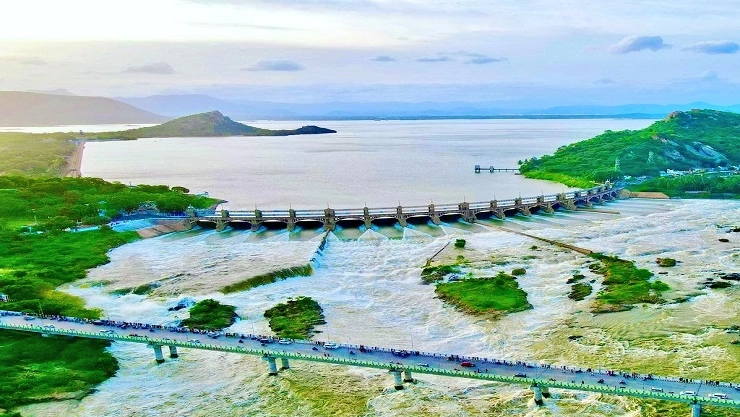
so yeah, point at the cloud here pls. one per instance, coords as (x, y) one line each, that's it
(483, 60)
(704, 77)
(383, 58)
(714, 47)
(24, 60)
(434, 59)
(274, 65)
(639, 43)
(161, 68)
(604, 81)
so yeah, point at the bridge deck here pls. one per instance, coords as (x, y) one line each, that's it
(615, 383)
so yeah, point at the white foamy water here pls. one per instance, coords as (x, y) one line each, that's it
(371, 293)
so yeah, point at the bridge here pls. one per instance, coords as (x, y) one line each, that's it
(402, 364)
(470, 212)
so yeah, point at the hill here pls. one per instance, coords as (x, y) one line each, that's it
(37, 109)
(206, 124)
(682, 141)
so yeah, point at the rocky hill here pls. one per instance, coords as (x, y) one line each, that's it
(205, 125)
(682, 141)
(36, 109)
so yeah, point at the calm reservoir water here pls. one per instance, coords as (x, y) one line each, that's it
(378, 163)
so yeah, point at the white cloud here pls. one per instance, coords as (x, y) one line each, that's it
(161, 68)
(274, 65)
(639, 43)
(714, 47)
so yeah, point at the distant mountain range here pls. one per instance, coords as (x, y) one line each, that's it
(178, 105)
(37, 109)
(60, 107)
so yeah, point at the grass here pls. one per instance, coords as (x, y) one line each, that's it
(269, 278)
(143, 289)
(579, 291)
(491, 296)
(624, 285)
(295, 319)
(36, 369)
(437, 273)
(209, 314)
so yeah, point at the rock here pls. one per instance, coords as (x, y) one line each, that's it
(186, 302)
(722, 239)
(666, 262)
(718, 284)
(733, 276)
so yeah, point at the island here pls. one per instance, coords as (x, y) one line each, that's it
(208, 124)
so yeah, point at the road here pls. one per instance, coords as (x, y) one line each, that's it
(581, 379)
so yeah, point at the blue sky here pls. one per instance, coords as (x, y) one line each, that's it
(513, 52)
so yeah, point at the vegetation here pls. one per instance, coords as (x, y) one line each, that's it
(460, 243)
(295, 319)
(666, 262)
(575, 278)
(437, 273)
(36, 369)
(579, 291)
(37, 154)
(518, 271)
(269, 278)
(694, 186)
(209, 314)
(204, 124)
(493, 296)
(33, 265)
(682, 141)
(624, 285)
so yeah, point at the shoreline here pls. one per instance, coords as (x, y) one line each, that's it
(73, 166)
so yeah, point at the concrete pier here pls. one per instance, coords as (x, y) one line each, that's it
(407, 376)
(158, 353)
(284, 363)
(545, 392)
(400, 217)
(398, 381)
(173, 351)
(537, 395)
(366, 218)
(695, 410)
(271, 366)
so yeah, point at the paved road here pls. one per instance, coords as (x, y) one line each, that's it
(650, 386)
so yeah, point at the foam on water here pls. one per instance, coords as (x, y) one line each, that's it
(371, 293)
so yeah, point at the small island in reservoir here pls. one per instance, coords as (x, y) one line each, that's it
(203, 125)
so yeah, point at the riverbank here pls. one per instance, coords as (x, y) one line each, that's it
(73, 167)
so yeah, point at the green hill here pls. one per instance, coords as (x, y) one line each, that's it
(682, 141)
(205, 124)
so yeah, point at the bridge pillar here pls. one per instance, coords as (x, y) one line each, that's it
(224, 214)
(407, 376)
(695, 410)
(366, 218)
(546, 392)
(291, 220)
(284, 363)
(525, 210)
(434, 215)
(569, 204)
(330, 219)
(221, 224)
(537, 395)
(271, 365)
(500, 214)
(400, 217)
(158, 353)
(466, 213)
(548, 208)
(257, 220)
(398, 382)
(173, 351)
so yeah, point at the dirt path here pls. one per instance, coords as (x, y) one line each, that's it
(74, 162)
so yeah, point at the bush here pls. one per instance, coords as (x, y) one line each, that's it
(666, 262)
(460, 243)
(518, 271)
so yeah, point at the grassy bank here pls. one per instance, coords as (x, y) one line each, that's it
(210, 315)
(295, 319)
(37, 255)
(624, 285)
(269, 278)
(38, 154)
(493, 296)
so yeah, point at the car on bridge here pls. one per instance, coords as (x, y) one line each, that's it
(719, 396)
(193, 341)
(108, 331)
(520, 375)
(656, 389)
(331, 346)
(284, 341)
(467, 364)
(688, 393)
(426, 365)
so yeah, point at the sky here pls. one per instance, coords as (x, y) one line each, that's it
(523, 52)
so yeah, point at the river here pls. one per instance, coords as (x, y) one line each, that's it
(370, 289)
